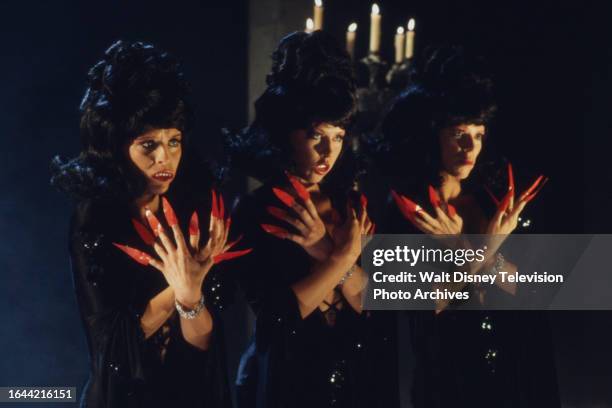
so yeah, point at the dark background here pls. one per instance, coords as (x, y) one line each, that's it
(552, 66)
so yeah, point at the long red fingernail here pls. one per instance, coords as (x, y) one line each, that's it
(274, 229)
(221, 207)
(137, 255)
(285, 197)
(229, 223)
(434, 198)
(298, 187)
(534, 185)
(169, 213)
(452, 211)
(143, 232)
(234, 242)
(495, 200)
(153, 222)
(194, 224)
(532, 196)
(510, 177)
(363, 200)
(373, 229)
(506, 202)
(215, 209)
(277, 212)
(226, 256)
(407, 207)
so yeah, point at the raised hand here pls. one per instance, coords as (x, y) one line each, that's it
(445, 222)
(184, 268)
(304, 217)
(508, 211)
(347, 237)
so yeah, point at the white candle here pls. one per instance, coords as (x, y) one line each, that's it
(400, 41)
(375, 29)
(309, 25)
(351, 34)
(410, 39)
(318, 15)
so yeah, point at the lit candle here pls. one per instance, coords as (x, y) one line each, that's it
(309, 25)
(375, 29)
(410, 39)
(351, 33)
(318, 15)
(400, 40)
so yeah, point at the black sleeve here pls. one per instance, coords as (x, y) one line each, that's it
(110, 309)
(266, 274)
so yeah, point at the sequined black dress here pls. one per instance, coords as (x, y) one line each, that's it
(473, 358)
(340, 360)
(112, 291)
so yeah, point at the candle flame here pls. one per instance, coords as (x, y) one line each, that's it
(319, 3)
(411, 24)
(352, 27)
(309, 24)
(375, 9)
(400, 30)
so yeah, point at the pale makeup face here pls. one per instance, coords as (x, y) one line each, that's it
(315, 151)
(460, 146)
(157, 154)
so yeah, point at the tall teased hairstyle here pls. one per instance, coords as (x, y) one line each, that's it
(450, 88)
(311, 82)
(135, 88)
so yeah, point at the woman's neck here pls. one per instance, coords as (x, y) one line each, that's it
(147, 201)
(450, 187)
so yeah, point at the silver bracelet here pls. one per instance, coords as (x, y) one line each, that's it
(347, 275)
(500, 261)
(189, 314)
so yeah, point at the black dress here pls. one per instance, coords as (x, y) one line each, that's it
(475, 358)
(310, 362)
(112, 291)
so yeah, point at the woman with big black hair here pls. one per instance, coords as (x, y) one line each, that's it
(313, 346)
(150, 321)
(430, 151)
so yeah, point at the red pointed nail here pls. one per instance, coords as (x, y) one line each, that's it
(534, 185)
(169, 213)
(194, 224)
(407, 207)
(373, 229)
(153, 222)
(363, 200)
(298, 187)
(503, 206)
(143, 232)
(221, 207)
(495, 200)
(285, 197)
(434, 198)
(277, 212)
(452, 211)
(274, 230)
(137, 255)
(510, 177)
(214, 205)
(234, 242)
(228, 223)
(226, 256)
(532, 196)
